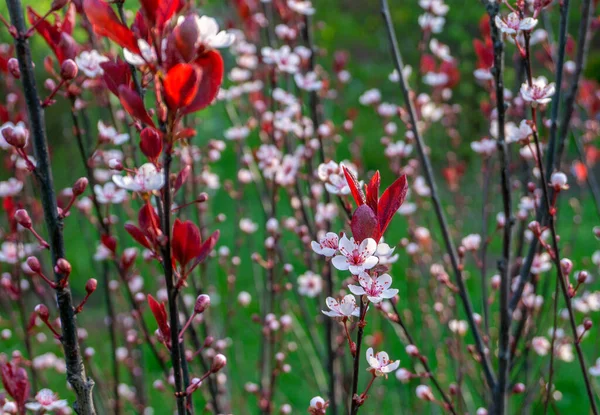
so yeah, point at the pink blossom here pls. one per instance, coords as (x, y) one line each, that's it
(354, 256)
(380, 363)
(345, 308)
(46, 400)
(376, 289)
(327, 246)
(540, 91)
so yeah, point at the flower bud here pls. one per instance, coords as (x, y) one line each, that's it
(68, 70)
(91, 285)
(587, 324)
(13, 67)
(34, 264)
(16, 137)
(202, 303)
(115, 164)
(208, 341)
(519, 388)
(412, 350)
(49, 84)
(582, 277)
(80, 186)
(63, 267)
(42, 311)
(219, 362)
(22, 218)
(150, 143)
(559, 181)
(566, 265)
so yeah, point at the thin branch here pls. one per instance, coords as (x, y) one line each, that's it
(428, 171)
(82, 385)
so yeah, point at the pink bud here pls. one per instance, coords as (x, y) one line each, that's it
(219, 362)
(68, 70)
(115, 164)
(80, 186)
(22, 218)
(202, 303)
(519, 388)
(582, 277)
(49, 84)
(208, 341)
(13, 68)
(412, 350)
(587, 324)
(566, 265)
(91, 285)
(42, 311)
(34, 264)
(63, 267)
(16, 137)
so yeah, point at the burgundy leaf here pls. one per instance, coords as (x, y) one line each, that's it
(364, 224)
(160, 315)
(134, 105)
(372, 190)
(181, 85)
(390, 202)
(358, 195)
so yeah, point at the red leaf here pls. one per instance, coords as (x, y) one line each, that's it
(106, 23)
(148, 220)
(56, 36)
(373, 191)
(390, 202)
(186, 243)
(357, 194)
(181, 85)
(116, 73)
(364, 224)
(182, 177)
(206, 248)
(68, 23)
(160, 315)
(211, 64)
(134, 105)
(137, 234)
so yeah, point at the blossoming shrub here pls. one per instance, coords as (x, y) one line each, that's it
(230, 232)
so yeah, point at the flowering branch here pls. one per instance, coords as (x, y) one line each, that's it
(75, 369)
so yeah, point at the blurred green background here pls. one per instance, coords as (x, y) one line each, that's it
(354, 26)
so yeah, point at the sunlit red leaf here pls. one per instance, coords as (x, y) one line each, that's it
(106, 23)
(181, 85)
(357, 193)
(211, 64)
(373, 191)
(207, 247)
(116, 73)
(390, 202)
(137, 234)
(364, 224)
(186, 242)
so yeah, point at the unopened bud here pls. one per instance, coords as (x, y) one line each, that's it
(22, 218)
(13, 67)
(68, 70)
(566, 265)
(91, 285)
(219, 362)
(80, 186)
(115, 164)
(63, 267)
(208, 341)
(42, 311)
(202, 303)
(587, 324)
(534, 226)
(150, 143)
(49, 84)
(16, 137)
(34, 264)
(519, 388)
(559, 181)
(412, 350)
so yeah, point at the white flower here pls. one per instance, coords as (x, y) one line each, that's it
(440, 50)
(10, 187)
(11, 252)
(109, 133)
(310, 284)
(248, 226)
(147, 54)
(286, 60)
(458, 326)
(46, 400)
(237, 133)
(376, 290)
(485, 146)
(356, 257)
(308, 82)
(559, 180)
(380, 363)
(286, 173)
(521, 133)
(109, 193)
(432, 23)
(436, 7)
(146, 179)
(541, 263)
(471, 242)
(327, 246)
(540, 345)
(210, 36)
(345, 308)
(89, 63)
(513, 24)
(301, 7)
(540, 92)
(370, 97)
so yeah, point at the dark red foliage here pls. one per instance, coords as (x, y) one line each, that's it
(160, 315)
(16, 383)
(57, 35)
(106, 23)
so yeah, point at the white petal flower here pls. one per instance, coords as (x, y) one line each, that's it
(345, 308)
(380, 363)
(356, 257)
(146, 179)
(89, 63)
(327, 246)
(540, 91)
